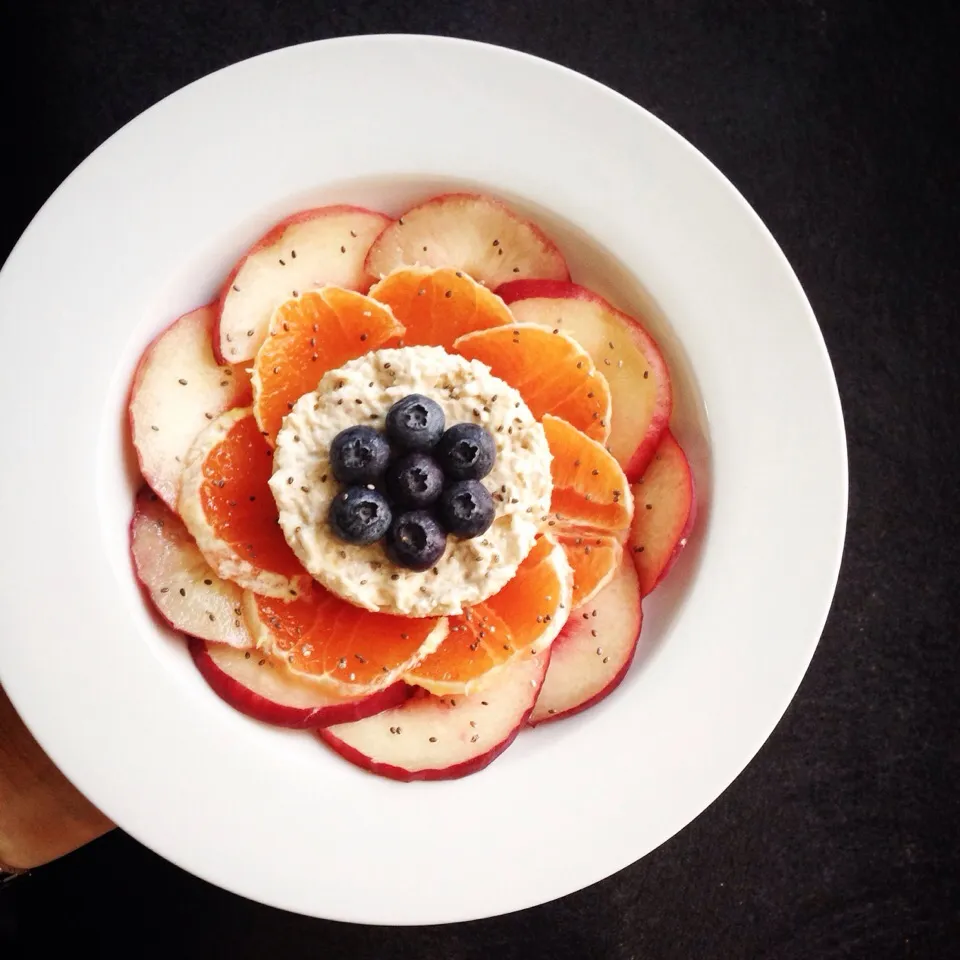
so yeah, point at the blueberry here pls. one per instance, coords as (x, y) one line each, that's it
(359, 515)
(359, 455)
(466, 508)
(415, 422)
(414, 480)
(416, 540)
(466, 452)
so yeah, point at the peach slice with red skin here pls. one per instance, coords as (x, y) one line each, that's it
(666, 509)
(227, 506)
(594, 651)
(182, 586)
(469, 232)
(552, 372)
(177, 389)
(310, 249)
(263, 688)
(443, 738)
(623, 351)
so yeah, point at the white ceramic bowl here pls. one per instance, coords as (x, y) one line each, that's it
(147, 227)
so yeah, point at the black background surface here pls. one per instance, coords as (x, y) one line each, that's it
(834, 119)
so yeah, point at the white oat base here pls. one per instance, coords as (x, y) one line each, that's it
(361, 392)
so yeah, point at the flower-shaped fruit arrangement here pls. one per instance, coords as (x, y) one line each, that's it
(393, 506)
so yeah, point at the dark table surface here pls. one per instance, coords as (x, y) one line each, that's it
(834, 119)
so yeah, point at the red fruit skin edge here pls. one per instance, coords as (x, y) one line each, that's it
(685, 532)
(456, 772)
(138, 374)
(269, 237)
(514, 290)
(248, 702)
(462, 194)
(602, 694)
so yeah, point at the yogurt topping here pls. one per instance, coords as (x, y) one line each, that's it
(362, 391)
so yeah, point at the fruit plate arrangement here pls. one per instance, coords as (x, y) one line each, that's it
(685, 356)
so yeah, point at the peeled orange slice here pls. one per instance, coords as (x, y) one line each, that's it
(589, 488)
(594, 558)
(352, 651)
(309, 335)
(230, 512)
(553, 373)
(437, 306)
(522, 619)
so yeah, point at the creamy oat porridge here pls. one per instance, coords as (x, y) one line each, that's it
(361, 392)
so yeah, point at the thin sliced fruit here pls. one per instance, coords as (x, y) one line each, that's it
(352, 652)
(309, 335)
(184, 589)
(179, 383)
(594, 558)
(312, 248)
(470, 232)
(440, 738)
(594, 651)
(553, 373)
(263, 688)
(665, 512)
(589, 488)
(437, 306)
(227, 506)
(622, 350)
(522, 619)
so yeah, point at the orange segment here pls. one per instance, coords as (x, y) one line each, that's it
(437, 306)
(553, 373)
(522, 619)
(353, 651)
(593, 557)
(236, 501)
(309, 335)
(589, 488)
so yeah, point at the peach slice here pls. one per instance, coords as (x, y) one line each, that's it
(594, 651)
(469, 232)
(185, 590)
(442, 738)
(263, 688)
(179, 387)
(310, 249)
(664, 515)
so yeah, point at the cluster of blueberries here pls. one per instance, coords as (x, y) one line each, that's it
(412, 484)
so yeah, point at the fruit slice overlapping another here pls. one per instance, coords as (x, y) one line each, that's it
(327, 245)
(470, 232)
(352, 651)
(227, 506)
(522, 619)
(666, 509)
(442, 738)
(438, 305)
(553, 373)
(309, 335)
(595, 649)
(263, 688)
(185, 590)
(178, 387)
(589, 488)
(593, 557)
(624, 353)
